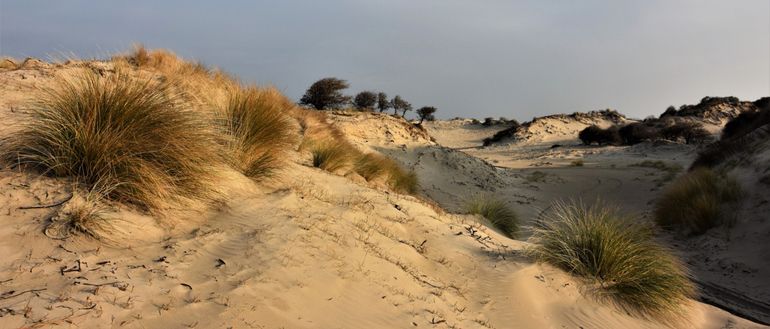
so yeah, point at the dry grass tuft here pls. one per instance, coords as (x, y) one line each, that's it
(372, 166)
(496, 212)
(83, 213)
(7, 63)
(258, 130)
(331, 155)
(135, 138)
(697, 202)
(403, 181)
(617, 255)
(577, 163)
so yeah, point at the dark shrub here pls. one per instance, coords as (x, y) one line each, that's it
(671, 110)
(365, 100)
(636, 133)
(691, 132)
(737, 136)
(594, 134)
(503, 134)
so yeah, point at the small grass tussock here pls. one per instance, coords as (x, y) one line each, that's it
(372, 166)
(697, 202)
(7, 63)
(403, 181)
(83, 213)
(332, 155)
(133, 137)
(258, 131)
(496, 212)
(617, 255)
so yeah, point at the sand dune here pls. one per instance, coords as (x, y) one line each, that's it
(310, 249)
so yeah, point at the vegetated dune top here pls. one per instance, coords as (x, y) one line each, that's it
(306, 249)
(565, 127)
(715, 110)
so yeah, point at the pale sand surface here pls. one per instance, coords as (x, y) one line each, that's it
(309, 249)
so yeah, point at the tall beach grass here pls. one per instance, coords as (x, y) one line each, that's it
(135, 138)
(618, 257)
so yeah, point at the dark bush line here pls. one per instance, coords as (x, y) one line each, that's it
(648, 130)
(594, 134)
(737, 136)
(503, 134)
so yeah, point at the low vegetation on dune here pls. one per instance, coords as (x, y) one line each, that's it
(594, 134)
(372, 166)
(84, 213)
(648, 130)
(163, 61)
(739, 135)
(617, 255)
(258, 131)
(403, 181)
(7, 63)
(697, 202)
(134, 138)
(331, 155)
(497, 212)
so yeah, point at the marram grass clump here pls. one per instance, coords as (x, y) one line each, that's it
(697, 202)
(258, 131)
(136, 138)
(618, 256)
(372, 166)
(403, 181)
(331, 155)
(496, 212)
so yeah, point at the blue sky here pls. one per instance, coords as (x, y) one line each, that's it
(469, 58)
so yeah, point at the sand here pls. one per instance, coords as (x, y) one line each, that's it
(310, 249)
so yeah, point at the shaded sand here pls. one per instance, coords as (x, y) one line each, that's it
(307, 249)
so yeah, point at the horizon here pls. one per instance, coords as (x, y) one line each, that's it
(515, 60)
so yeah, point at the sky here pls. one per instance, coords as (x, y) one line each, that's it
(469, 58)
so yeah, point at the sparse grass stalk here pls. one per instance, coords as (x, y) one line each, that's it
(618, 255)
(697, 202)
(496, 212)
(135, 138)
